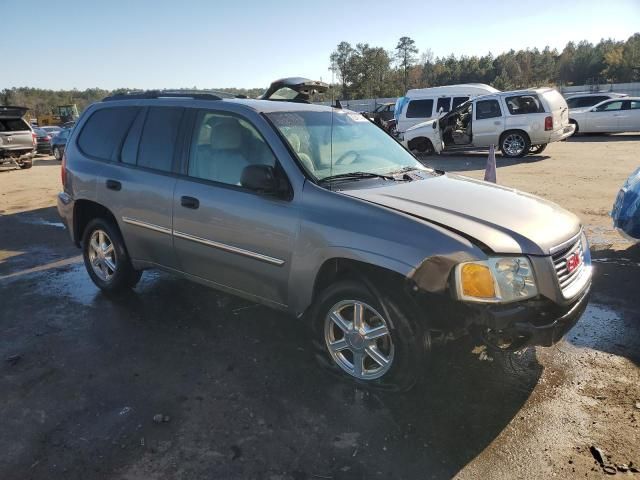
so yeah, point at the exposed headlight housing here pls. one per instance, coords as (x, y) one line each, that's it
(496, 280)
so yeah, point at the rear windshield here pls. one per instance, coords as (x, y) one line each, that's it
(523, 104)
(13, 125)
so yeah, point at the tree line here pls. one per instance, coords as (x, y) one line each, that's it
(364, 71)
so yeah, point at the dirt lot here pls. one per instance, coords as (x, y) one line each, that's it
(82, 374)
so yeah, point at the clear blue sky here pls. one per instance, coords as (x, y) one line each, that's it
(206, 44)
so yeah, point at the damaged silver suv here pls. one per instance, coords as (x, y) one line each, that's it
(317, 212)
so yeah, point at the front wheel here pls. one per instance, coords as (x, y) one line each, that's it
(26, 164)
(106, 258)
(369, 339)
(536, 149)
(514, 144)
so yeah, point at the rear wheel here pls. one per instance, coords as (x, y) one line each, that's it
(368, 339)
(106, 258)
(514, 144)
(422, 145)
(536, 149)
(56, 153)
(26, 164)
(573, 122)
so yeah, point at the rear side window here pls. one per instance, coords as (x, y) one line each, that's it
(420, 108)
(444, 104)
(487, 109)
(104, 132)
(13, 125)
(634, 105)
(581, 102)
(158, 140)
(523, 104)
(457, 101)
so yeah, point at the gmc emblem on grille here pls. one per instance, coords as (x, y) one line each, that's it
(573, 262)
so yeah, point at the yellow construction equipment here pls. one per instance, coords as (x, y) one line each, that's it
(59, 116)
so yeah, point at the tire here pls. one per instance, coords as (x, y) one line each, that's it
(56, 153)
(111, 271)
(537, 149)
(401, 345)
(422, 145)
(573, 122)
(26, 164)
(514, 144)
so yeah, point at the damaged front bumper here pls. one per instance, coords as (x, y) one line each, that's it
(534, 322)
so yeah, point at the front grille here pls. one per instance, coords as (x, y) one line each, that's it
(566, 278)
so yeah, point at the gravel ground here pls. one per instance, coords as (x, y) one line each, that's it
(236, 392)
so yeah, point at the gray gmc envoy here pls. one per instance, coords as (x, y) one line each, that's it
(317, 212)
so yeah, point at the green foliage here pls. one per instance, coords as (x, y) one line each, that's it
(365, 72)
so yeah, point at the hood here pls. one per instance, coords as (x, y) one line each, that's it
(503, 219)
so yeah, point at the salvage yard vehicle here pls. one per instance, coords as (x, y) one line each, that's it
(584, 100)
(17, 139)
(422, 104)
(58, 143)
(43, 140)
(315, 211)
(518, 122)
(610, 116)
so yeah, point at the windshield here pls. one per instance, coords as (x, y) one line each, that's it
(356, 145)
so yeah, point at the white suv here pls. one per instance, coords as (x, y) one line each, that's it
(519, 122)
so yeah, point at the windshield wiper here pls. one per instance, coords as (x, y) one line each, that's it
(355, 176)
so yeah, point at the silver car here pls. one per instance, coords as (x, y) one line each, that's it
(317, 212)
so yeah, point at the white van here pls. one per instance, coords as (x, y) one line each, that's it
(421, 104)
(519, 122)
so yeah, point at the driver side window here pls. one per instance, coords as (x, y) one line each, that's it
(223, 145)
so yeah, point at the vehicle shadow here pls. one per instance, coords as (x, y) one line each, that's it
(611, 322)
(46, 161)
(604, 137)
(450, 162)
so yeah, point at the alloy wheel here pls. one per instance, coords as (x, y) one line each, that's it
(513, 144)
(102, 255)
(358, 339)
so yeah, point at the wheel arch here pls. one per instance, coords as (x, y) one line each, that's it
(86, 210)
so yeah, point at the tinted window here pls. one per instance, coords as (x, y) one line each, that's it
(444, 104)
(130, 147)
(420, 109)
(607, 107)
(457, 101)
(523, 104)
(582, 102)
(159, 138)
(223, 145)
(487, 109)
(13, 125)
(104, 132)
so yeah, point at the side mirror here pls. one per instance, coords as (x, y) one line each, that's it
(260, 178)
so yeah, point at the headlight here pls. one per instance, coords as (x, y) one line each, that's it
(496, 280)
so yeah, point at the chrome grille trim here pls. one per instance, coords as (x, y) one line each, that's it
(559, 259)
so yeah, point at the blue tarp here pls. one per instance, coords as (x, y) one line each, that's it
(626, 209)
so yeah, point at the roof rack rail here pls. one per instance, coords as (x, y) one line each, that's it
(149, 94)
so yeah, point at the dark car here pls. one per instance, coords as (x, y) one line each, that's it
(382, 114)
(43, 141)
(58, 143)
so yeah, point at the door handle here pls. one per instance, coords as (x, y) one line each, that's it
(113, 185)
(189, 202)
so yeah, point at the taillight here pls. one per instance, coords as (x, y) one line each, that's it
(48, 137)
(548, 123)
(63, 170)
(34, 138)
